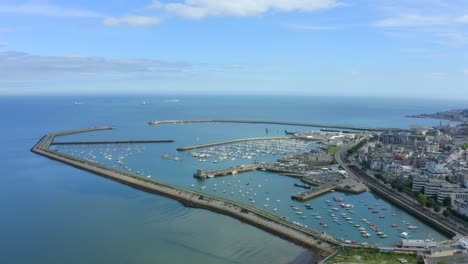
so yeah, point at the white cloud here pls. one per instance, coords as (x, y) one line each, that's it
(23, 63)
(3, 30)
(197, 9)
(465, 71)
(47, 10)
(431, 75)
(155, 5)
(310, 27)
(463, 19)
(132, 20)
(3, 44)
(413, 20)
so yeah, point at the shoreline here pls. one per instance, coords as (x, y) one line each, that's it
(321, 244)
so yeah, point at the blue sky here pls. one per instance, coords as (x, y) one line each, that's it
(397, 48)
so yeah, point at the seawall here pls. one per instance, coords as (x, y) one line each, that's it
(229, 142)
(112, 142)
(160, 122)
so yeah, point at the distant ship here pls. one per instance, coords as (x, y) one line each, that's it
(172, 101)
(77, 103)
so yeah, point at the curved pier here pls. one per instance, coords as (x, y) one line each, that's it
(112, 142)
(321, 243)
(229, 142)
(161, 122)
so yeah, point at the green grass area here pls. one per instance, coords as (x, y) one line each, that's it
(333, 150)
(371, 256)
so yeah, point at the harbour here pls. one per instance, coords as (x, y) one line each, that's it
(269, 222)
(248, 189)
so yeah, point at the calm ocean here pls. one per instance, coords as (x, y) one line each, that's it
(52, 213)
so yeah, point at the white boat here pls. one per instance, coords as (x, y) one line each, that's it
(404, 234)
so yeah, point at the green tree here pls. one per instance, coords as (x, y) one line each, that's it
(437, 208)
(447, 201)
(465, 146)
(422, 199)
(446, 212)
(430, 202)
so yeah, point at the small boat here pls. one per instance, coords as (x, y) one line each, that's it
(394, 225)
(404, 234)
(382, 216)
(412, 227)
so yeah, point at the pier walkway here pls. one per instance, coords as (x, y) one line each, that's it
(112, 142)
(160, 122)
(309, 194)
(230, 142)
(201, 174)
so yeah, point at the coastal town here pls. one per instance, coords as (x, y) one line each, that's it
(427, 166)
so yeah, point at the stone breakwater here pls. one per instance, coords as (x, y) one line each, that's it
(161, 122)
(320, 243)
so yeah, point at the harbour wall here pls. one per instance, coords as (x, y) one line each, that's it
(323, 244)
(160, 122)
(112, 142)
(229, 142)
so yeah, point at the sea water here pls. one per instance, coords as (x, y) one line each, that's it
(53, 213)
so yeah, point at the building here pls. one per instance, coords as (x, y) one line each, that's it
(435, 170)
(432, 147)
(418, 243)
(393, 138)
(438, 188)
(463, 242)
(460, 206)
(455, 193)
(419, 182)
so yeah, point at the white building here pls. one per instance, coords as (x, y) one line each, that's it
(463, 242)
(418, 243)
